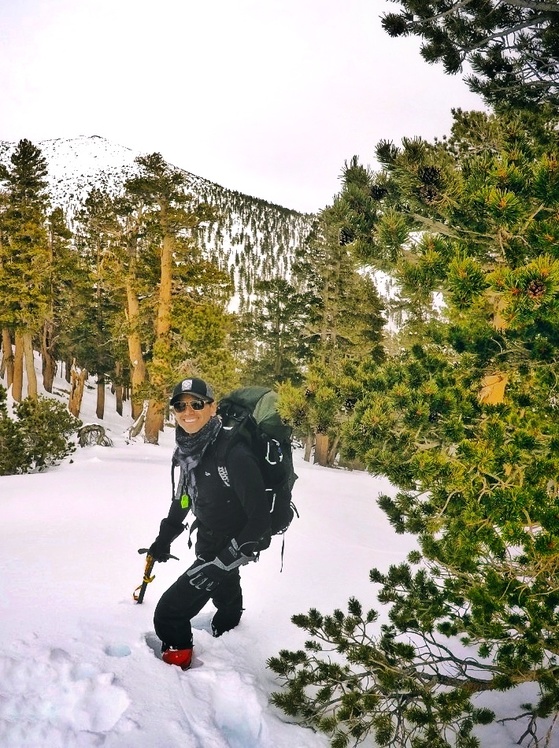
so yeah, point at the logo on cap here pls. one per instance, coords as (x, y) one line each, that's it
(186, 385)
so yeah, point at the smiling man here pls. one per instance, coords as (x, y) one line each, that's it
(231, 518)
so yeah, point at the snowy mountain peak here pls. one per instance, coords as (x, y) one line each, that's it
(85, 154)
(252, 238)
(77, 165)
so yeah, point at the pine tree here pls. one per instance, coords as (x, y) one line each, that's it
(63, 286)
(7, 365)
(201, 327)
(511, 45)
(24, 260)
(137, 244)
(271, 334)
(169, 216)
(97, 342)
(463, 422)
(342, 324)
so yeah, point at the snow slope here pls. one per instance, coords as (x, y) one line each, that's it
(76, 666)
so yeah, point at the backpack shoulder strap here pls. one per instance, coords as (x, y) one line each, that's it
(223, 443)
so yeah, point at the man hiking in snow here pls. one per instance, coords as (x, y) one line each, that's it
(231, 518)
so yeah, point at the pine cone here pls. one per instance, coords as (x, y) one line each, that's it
(377, 192)
(428, 193)
(536, 289)
(430, 175)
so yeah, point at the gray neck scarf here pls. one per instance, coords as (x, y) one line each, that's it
(190, 449)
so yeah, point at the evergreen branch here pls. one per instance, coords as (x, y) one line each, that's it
(455, 9)
(443, 14)
(533, 5)
(504, 33)
(540, 73)
(442, 228)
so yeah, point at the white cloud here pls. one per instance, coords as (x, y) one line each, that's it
(267, 98)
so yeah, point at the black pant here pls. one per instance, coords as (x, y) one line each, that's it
(181, 602)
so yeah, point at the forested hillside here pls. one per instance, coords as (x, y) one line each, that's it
(249, 237)
(125, 267)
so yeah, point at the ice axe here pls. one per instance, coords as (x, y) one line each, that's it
(140, 590)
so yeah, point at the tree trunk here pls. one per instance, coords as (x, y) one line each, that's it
(309, 444)
(154, 421)
(100, 410)
(137, 363)
(49, 362)
(77, 384)
(321, 450)
(333, 451)
(118, 399)
(7, 358)
(17, 384)
(156, 407)
(118, 388)
(137, 426)
(29, 365)
(163, 322)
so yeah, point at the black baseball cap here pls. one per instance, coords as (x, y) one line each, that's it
(196, 387)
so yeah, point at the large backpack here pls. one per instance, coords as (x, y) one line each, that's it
(250, 413)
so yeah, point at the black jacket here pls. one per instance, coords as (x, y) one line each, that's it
(231, 503)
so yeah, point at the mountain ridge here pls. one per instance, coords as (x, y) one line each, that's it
(251, 238)
(58, 153)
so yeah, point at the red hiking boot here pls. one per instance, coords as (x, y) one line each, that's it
(180, 657)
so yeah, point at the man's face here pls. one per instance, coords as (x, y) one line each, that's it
(193, 419)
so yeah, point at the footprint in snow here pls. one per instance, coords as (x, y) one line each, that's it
(48, 698)
(118, 650)
(154, 643)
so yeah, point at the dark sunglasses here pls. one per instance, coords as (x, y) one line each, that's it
(194, 404)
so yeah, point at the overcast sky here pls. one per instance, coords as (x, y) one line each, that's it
(268, 97)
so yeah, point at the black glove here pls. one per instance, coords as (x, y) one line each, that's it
(160, 549)
(207, 575)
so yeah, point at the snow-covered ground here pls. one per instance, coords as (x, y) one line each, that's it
(76, 666)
